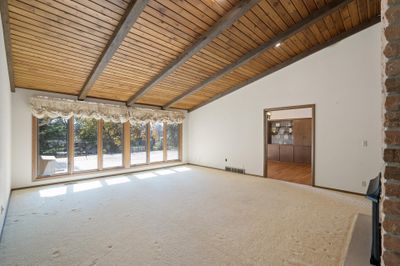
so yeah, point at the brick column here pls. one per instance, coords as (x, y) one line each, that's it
(391, 177)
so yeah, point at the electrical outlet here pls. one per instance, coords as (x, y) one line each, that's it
(365, 143)
(226, 159)
(364, 183)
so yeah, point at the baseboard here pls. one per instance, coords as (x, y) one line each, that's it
(5, 215)
(340, 190)
(328, 188)
(221, 169)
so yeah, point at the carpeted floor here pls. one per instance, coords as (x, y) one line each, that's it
(179, 216)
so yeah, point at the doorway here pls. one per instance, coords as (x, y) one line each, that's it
(289, 143)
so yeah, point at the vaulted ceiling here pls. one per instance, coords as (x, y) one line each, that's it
(168, 53)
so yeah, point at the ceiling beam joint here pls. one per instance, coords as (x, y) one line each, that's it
(256, 52)
(132, 13)
(298, 57)
(221, 25)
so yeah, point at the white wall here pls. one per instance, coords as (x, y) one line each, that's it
(342, 80)
(22, 141)
(5, 130)
(291, 113)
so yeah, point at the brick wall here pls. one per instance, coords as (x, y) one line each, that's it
(391, 177)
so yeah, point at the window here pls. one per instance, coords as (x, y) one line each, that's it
(157, 142)
(138, 144)
(52, 146)
(67, 146)
(85, 144)
(172, 142)
(112, 144)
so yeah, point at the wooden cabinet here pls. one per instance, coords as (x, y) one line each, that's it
(302, 133)
(286, 153)
(273, 152)
(302, 154)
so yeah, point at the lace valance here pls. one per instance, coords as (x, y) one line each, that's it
(46, 107)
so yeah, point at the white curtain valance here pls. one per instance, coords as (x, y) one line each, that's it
(46, 107)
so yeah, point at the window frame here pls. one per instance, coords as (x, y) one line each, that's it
(126, 150)
(123, 148)
(147, 148)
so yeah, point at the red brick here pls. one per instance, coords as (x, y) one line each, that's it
(392, 226)
(392, 14)
(391, 242)
(392, 49)
(391, 258)
(392, 172)
(392, 137)
(393, 67)
(392, 119)
(391, 155)
(392, 190)
(392, 33)
(392, 84)
(392, 103)
(391, 207)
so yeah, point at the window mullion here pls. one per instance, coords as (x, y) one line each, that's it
(127, 145)
(180, 142)
(100, 144)
(165, 142)
(71, 145)
(148, 144)
(35, 147)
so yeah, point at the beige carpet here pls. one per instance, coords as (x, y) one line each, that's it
(179, 216)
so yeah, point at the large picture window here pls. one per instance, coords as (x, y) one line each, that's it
(112, 144)
(157, 142)
(172, 142)
(85, 145)
(52, 146)
(138, 144)
(67, 146)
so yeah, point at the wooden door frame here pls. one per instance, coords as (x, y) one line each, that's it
(266, 136)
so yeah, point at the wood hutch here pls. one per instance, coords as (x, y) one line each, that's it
(290, 140)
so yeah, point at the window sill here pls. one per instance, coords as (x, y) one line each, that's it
(105, 172)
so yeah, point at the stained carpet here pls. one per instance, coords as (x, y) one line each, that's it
(179, 216)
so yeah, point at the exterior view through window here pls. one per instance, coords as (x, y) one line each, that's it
(52, 146)
(112, 144)
(85, 144)
(173, 142)
(138, 144)
(67, 146)
(156, 142)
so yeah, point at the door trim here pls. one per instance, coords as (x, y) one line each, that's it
(312, 106)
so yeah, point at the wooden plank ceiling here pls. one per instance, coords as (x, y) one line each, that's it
(56, 44)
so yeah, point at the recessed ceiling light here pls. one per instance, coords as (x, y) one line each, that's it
(278, 44)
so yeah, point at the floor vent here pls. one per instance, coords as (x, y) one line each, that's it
(235, 170)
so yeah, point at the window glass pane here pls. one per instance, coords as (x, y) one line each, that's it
(156, 142)
(85, 157)
(138, 144)
(52, 146)
(172, 142)
(112, 144)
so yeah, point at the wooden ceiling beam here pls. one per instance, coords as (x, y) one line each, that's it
(132, 13)
(293, 60)
(221, 25)
(280, 38)
(7, 41)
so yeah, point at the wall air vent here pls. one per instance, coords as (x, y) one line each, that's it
(235, 170)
